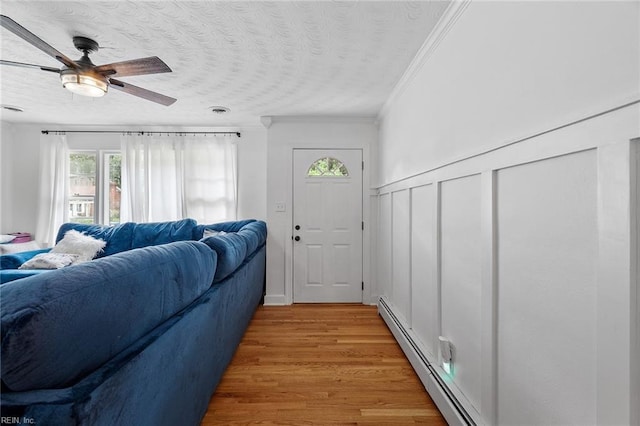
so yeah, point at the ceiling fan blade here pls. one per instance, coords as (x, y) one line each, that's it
(23, 65)
(140, 92)
(150, 65)
(33, 39)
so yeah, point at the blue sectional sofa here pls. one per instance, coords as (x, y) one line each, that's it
(141, 335)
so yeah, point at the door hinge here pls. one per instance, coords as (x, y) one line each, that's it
(363, 165)
(362, 285)
(363, 226)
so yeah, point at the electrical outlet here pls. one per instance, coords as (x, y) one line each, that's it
(281, 207)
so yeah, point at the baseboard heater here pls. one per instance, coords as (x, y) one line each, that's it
(445, 400)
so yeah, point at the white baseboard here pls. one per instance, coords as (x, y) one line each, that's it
(451, 410)
(275, 300)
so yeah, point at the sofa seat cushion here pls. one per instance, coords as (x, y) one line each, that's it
(155, 233)
(232, 251)
(118, 237)
(59, 326)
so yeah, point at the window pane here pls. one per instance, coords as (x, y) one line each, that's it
(82, 188)
(115, 187)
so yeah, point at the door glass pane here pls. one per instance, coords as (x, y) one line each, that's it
(328, 166)
(82, 187)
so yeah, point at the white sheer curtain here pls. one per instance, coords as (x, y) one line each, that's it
(173, 177)
(53, 199)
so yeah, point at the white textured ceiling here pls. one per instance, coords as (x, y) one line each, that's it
(256, 58)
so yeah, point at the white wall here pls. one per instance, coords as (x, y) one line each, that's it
(510, 146)
(6, 131)
(19, 160)
(508, 70)
(285, 134)
(252, 173)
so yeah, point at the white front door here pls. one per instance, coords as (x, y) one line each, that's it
(327, 221)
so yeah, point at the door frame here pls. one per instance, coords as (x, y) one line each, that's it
(369, 295)
(293, 206)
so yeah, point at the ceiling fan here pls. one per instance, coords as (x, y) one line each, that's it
(82, 76)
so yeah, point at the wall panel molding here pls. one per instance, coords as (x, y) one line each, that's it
(605, 138)
(489, 296)
(616, 290)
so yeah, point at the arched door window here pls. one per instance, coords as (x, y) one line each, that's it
(328, 166)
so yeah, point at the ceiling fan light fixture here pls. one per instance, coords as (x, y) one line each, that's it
(84, 84)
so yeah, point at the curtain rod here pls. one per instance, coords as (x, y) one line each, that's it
(46, 132)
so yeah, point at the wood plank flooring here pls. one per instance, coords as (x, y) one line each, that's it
(320, 364)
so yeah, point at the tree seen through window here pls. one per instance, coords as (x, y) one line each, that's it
(328, 166)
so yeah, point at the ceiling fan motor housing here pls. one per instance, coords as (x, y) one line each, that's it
(85, 44)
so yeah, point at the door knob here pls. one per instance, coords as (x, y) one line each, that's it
(297, 227)
(297, 238)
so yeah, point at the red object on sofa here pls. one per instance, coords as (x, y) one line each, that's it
(21, 237)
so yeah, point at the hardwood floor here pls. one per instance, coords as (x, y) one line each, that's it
(320, 364)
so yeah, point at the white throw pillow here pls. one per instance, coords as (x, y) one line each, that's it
(211, 233)
(49, 261)
(85, 246)
(6, 238)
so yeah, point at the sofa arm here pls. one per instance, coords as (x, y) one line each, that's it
(14, 260)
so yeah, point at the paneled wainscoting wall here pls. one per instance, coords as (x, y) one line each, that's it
(525, 258)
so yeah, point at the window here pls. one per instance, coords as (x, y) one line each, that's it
(113, 183)
(328, 166)
(94, 187)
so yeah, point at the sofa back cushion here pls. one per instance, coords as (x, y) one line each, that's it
(233, 226)
(9, 275)
(155, 233)
(59, 326)
(255, 234)
(118, 237)
(231, 249)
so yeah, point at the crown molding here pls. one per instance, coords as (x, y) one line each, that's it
(444, 25)
(317, 119)
(266, 121)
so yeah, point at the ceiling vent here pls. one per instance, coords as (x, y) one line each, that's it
(219, 109)
(12, 108)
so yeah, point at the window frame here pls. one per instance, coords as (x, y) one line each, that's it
(101, 214)
(104, 182)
